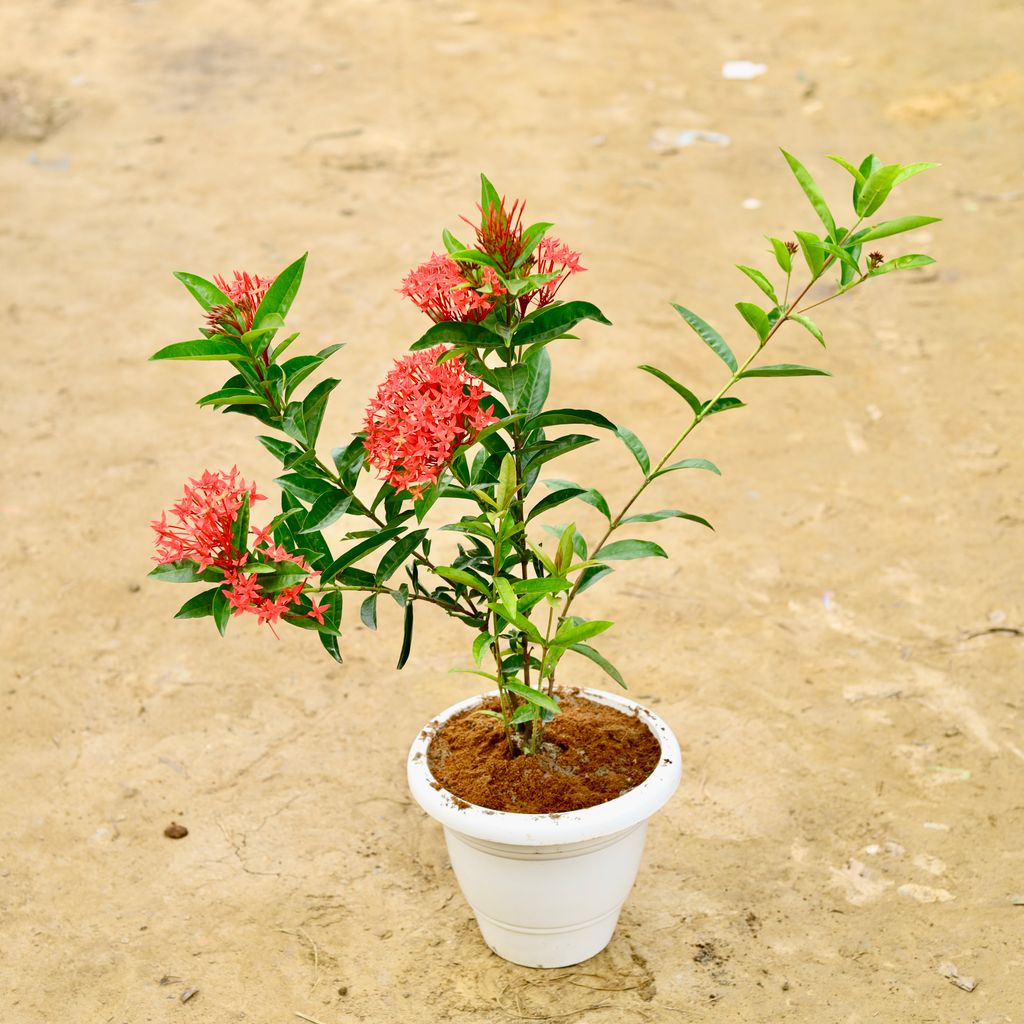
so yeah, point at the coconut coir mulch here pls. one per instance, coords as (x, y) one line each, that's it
(591, 753)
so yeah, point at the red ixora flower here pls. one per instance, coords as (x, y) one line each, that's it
(246, 293)
(553, 257)
(443, 292)
(204, 532)
(422, 412)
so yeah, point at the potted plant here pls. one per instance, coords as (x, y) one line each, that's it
(543, 789)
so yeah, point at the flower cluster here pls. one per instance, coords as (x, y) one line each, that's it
(500, 233)
(204, 534)
(553, 257)
(422, 412)
(443, 292)
(246, 292)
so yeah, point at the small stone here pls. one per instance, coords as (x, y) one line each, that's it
(188, 994)
(175, 831)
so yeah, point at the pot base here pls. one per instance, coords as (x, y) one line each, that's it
(549, 947)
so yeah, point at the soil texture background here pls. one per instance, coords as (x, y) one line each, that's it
(841, 659)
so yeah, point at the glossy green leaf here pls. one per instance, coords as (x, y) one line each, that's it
(305, 488)
(782, 254)
(539, 587)
(396, 555)
(785, 370)
(894, 227)
(601, 661)
(538, 454)
(624, 550)
(756, 318)
(666, 513)
(298, 368)
(281, 294)
(206, 293)
(313, 407)
(198, 607)
(809, 325)
(523, 624)
(564, 417)
(480, 644)
(909, 170)
(876, 189)
(280, 449)
(446, 572)
(708, 335)
(592, 575)
(857, 176)
(908, 262)
(221, 611)
(530, 240)
(811, 190)
(489, 198)
(240, 527)
(723, 405)
(329, 643)
(407, 626)
(680, 389)
(356, 552)
(452, 332)
(184, 570)
(512, 382)
(760, 280)
(506, 594)
(573, 632)
(327, 509)
(812, 248)
(555, 321)
(232, 396)
(217, 347)
(535, 697)
(538, 362)
(368, 611)
(706, 464)
(586, 494)
(635, 445)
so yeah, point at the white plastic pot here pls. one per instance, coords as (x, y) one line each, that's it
(547, 889)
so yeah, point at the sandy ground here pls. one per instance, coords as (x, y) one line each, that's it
(839, 660)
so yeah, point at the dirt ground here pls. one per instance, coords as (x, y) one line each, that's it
(841, 660)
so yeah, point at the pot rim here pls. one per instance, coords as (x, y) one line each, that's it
(517, 829)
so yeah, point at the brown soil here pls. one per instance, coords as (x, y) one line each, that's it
(590, 754)
(838, 659)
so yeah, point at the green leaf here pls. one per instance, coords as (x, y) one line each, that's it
(785, 370)
(281, 293)
(512, 382)
(809, 325)
(812, 248)
(876, 189)
(782, 254)
(479, 646)
(559, 497)
(530, 240)
(535, 394)
(624, 550)
(601, 661)
(525, 713)
(573, 632)
(684, 392)
(217, 347)
(666, 513)
(708, 335)
(282, 450)
(327, 509)
(489, 198)
(539, 587)
(902, 263)
(689, 464)
(756, 317)
(181, 571)
(894, 227)
(451, 332)
(760, 280)
(395, 556)
(298, 368)
(221, 611)
(867, 167)
(313, 407)
(356, 552)
(532, 696)
(556, 321)
(592, 497)
(407, 623)
(523, 624)
(368, 611)
(506, 595)
(240, 528)
(451, 243)
(562, 417)
(592, 575)
(198, 607)
(812, 191)
(206, 293)
(305, 488)
(329, 642)
(722, 405)
(635, 445)
(446, 572)
(548, 450)
(857, 176)
(232, 396)
(909, 170)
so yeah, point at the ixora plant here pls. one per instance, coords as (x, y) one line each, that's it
(464, 421)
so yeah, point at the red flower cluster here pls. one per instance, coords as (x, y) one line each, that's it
(246, 293)
(204, 534)
(440, 289)
(500, 233)
(554, 257)
(423, 411)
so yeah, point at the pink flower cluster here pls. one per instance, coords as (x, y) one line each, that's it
(440, 289)
(553, 257)
(246, 292)
(203, 533)
(422, 412)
